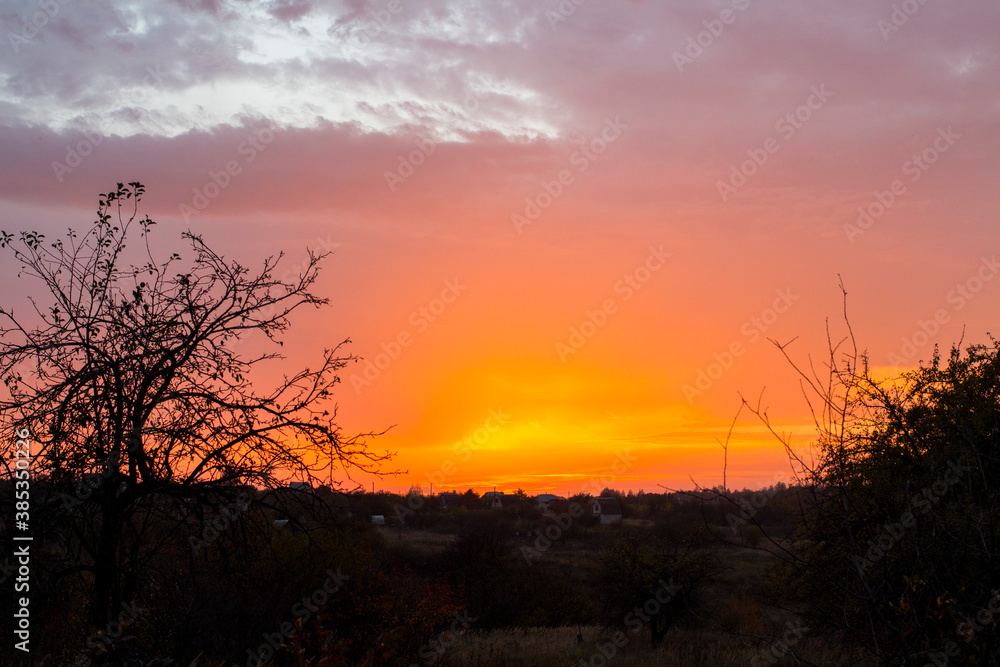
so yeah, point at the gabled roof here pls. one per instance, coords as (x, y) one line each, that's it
(608, 505)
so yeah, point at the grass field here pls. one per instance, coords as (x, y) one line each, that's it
(737, 628)
(685, 647)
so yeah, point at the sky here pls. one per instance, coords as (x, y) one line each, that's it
(563, 233)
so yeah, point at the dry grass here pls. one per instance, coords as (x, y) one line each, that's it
(734, 601)
(558, 647)
(420, 541)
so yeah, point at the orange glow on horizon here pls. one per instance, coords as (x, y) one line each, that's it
(549, 428)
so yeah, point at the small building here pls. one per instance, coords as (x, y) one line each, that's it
(546, 499)
(608, 509)
(508, 500)
(450, 499)
(304, 487)
(494, 499)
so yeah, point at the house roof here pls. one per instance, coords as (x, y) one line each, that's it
(609, 505)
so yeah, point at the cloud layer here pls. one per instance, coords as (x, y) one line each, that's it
(537, 151)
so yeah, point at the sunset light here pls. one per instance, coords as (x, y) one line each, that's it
(401, 250)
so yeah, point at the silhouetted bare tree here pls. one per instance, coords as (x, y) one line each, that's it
(899, 534)
(124, 371)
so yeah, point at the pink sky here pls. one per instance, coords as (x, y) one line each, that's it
(609, 122)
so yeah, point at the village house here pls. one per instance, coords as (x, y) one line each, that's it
(546, 499)
(498, 500)
(450, 499)
(608, 509)
(493, 499)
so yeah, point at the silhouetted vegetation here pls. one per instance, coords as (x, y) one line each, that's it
(165, 525)
(897, 543)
